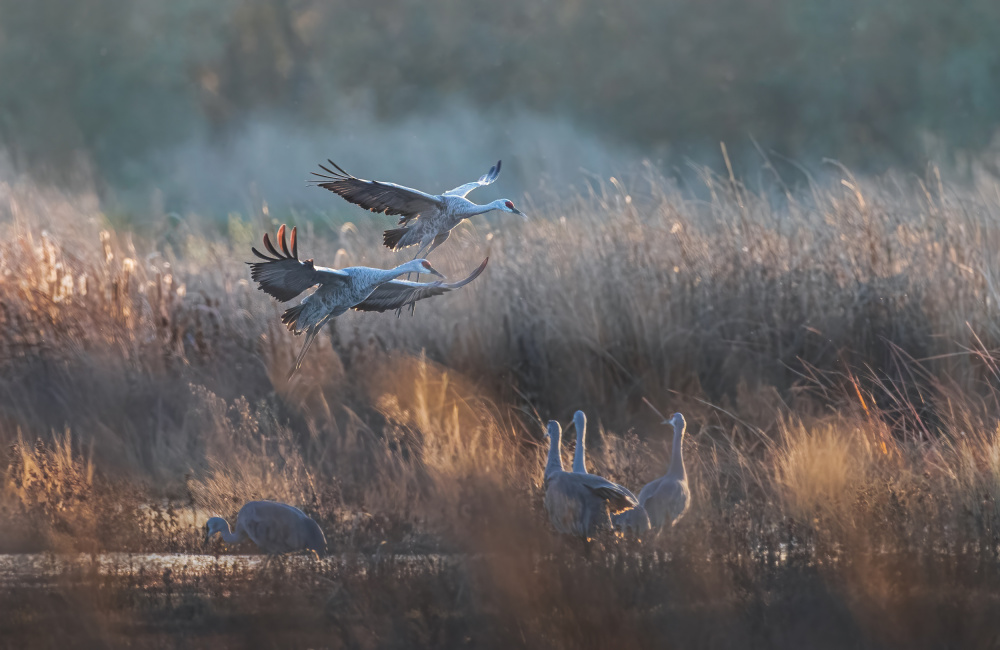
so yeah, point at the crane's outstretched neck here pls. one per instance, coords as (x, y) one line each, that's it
(413, 266)
(391, 274)
(676, 470)
(580, 453)
(483, 209)
(555, 459)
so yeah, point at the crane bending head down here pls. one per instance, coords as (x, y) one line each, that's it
(276, 529)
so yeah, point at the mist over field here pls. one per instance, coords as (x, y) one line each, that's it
(779, 218)
(209, 104)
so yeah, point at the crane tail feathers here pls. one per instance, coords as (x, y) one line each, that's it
(392, 237)
(290, 317)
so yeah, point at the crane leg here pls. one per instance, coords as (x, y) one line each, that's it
(420, 251)
(438, 240)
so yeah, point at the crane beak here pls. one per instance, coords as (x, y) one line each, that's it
(433, 271)
(523, 216)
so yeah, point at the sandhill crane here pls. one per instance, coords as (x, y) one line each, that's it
(632, 522)
(667, 498)
(276, 528)
(283, 276)
(579, 504)
(427, 219)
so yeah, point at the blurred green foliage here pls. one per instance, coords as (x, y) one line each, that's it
(870, 82)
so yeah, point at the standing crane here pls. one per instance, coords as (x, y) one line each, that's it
(283, 276)
(276, 529)
(426, 219)
(667, 498)
(632, 522)
(579, 504)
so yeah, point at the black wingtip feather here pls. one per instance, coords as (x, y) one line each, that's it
(270, 247)
(339, 168)
(283, 242)
(261, 255)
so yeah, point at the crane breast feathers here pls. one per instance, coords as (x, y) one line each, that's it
(400, 293)
(282, 275)
(376, 196)
(485, 179)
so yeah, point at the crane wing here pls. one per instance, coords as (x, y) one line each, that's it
(485, 179)
(400, 293)
(619, 498)
(283, 276)
(377, 196)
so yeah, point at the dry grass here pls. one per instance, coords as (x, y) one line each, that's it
(835, 354)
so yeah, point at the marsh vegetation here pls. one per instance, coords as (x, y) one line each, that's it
(834, 351)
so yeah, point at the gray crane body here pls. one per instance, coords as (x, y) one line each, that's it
(283, 276)
(276, 529)
(579, 504)
(667, 498)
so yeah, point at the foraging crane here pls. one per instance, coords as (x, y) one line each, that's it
(579, 504)
(427, 219)
(276, 529)
(667, 498)
(632, 522)
(283, 276)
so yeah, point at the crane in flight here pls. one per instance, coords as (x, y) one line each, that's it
(276, 529)
(283, 276)
(425, 219)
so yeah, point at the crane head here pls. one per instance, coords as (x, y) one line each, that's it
(678, 421)
(508, 206)
(425, 267)
(554, 431)
(213, 526)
